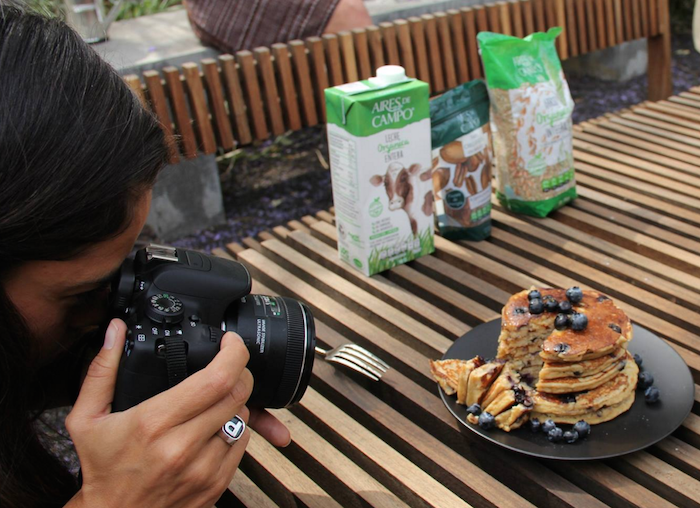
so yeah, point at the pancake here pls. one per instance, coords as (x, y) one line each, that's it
(554, 370)
(604, 414)
(480, 380)
(505, 382)
(608, 329)
(465, 372)
(447, 372)
(608, 394)
(578, 384)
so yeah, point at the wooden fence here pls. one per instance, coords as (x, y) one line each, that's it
(237, 99)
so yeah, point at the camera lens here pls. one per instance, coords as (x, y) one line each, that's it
(279, 333)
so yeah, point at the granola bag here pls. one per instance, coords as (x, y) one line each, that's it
(462, 162)
(531, 110)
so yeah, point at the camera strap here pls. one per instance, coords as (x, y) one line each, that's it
(176, 359)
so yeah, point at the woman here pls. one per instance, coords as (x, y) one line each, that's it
(78, 158)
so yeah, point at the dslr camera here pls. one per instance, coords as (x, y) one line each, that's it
(178, 303)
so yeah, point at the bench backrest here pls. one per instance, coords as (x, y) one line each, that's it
(219, 105)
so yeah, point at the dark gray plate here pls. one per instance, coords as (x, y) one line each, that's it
(643, 425)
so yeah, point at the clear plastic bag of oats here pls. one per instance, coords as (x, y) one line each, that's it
(461, 152)
(531, 110)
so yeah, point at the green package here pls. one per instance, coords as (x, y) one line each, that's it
(461, 165)
(531, 110)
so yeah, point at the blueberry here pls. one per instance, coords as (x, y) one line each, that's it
(615, 328)
(474, 409)
(579, 321)
(534, 294)
(570, 436)
(555, 435)
(565, 307)
(602, 298)
(651, 395)
(561, 322)
(574, 294)
(561, 348)
(536, 306)
(535, 425)
(645, 380)
(548, 425)
(520, 310)
(638, 360)
(582, 428)
(486, 421)
(551, 305)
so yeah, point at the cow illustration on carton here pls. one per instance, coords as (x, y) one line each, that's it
(401, 186)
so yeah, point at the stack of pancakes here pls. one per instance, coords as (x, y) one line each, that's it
(563, 375)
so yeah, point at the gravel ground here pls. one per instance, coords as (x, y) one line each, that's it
(284, 179)
(287, 178)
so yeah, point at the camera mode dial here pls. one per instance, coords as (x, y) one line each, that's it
(165, 308)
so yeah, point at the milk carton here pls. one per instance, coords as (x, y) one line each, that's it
(379, 144)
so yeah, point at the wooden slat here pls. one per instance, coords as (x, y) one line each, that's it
(482, 21)
(541, 15)
(362, 53)
(135, 84)
(437, 83)
(248, 493)
(644, 16)
(636, 19)
(335, 69)
(320, 72)
(516, 16)
(252, 88)
(418, 36)
(389, 39)
(376, 47)
(403, 34)
(659, 50)
(561, 20)
(571, 28)
(494, 14)
(469, 18)
(504, 18)
(234, 95)
(653, 17)
(601, 25)
(591, 25)
(212, 79)
(303, 78)
(289, 90)
(272, 96)
(618, 17)
(183, 123)
(448, 60)
(528, 11)
(459, 42)
(581, 26)
(159, 104)
(628, 17)
(198, 104)
(347, 50)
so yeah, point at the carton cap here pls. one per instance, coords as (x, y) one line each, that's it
(389, 75)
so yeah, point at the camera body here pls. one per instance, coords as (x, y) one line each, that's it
(178, 304)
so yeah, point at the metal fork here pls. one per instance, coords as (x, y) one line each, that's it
(356, 358)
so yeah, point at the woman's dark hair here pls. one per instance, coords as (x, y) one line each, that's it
(77, 153)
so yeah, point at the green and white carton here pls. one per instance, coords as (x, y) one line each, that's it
(379, 144)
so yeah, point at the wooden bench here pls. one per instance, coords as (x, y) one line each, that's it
(221, 104)
(633, 233)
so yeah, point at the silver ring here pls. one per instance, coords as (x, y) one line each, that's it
(232, 430)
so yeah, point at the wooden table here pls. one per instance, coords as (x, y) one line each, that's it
(634, 233)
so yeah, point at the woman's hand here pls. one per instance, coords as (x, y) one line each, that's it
(163, 452)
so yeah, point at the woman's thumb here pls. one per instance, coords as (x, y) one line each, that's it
(97, 392)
